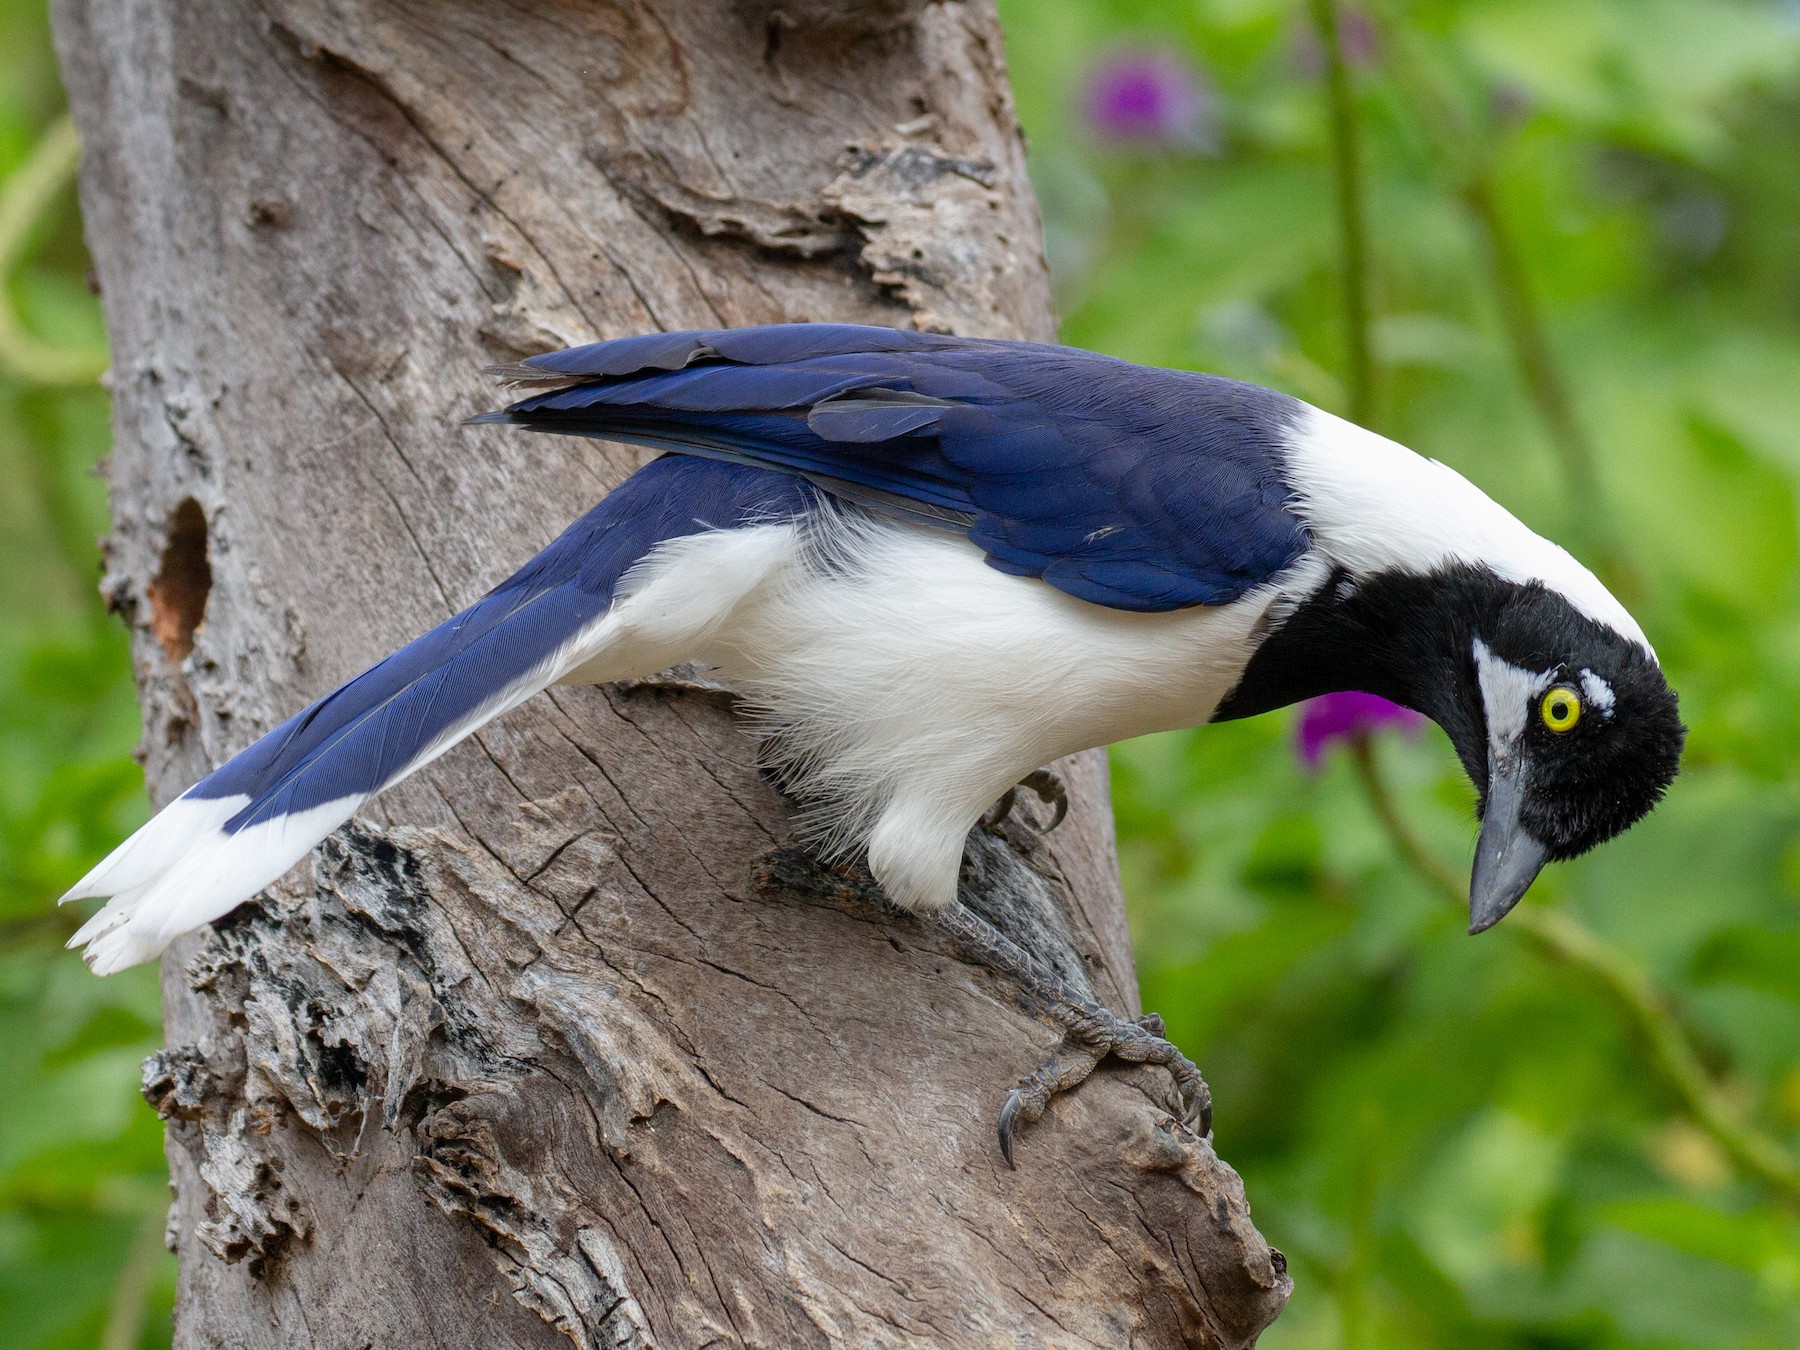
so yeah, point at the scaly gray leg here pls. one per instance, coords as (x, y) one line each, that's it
(1090, 1031)
(1050, 790)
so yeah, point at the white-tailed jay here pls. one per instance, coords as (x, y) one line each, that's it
(931, 565)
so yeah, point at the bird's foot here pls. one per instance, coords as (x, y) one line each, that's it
(1092, 1033)
(1050, 791)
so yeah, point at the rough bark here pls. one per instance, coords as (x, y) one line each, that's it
(564, 1040)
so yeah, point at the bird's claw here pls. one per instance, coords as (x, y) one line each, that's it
(1009, 1118)
(1050, 791)
(1071, 1063)
(1090, 1038)
(1001, 809)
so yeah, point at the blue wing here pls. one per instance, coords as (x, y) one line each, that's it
(1130, 487)
(246, 823)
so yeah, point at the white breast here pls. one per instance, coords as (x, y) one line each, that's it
(904, 684)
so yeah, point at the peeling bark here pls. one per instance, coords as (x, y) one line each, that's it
(565, 1041)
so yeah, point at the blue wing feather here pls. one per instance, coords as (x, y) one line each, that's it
(1126, 486)
(368, 731)
(773, 344)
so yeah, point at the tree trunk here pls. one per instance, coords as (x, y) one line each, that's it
(565, 1040)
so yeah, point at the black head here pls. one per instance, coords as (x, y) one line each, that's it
(1582, 739)
(1567, 729)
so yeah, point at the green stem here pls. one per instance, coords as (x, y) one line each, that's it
(1646, 1008)
(1529, 338)
(1353, 246)
(1353, 1295)
(1469, 161)
(59, 925)
(26, 198)
(1407, 844)
(131, 1295)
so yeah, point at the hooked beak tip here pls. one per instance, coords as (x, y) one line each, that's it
(1495, 890)
(1507, 856)
(1480, 923)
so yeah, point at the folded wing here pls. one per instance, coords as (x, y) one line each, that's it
(1129, 487)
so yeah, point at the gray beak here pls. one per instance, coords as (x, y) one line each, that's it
(1507, 859)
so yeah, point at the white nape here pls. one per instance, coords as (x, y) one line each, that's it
(1372, 505)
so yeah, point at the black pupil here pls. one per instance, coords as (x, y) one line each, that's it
(1559, 708)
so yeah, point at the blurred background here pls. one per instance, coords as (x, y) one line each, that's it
(1555, 243)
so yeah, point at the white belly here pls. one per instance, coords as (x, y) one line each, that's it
(902, 684)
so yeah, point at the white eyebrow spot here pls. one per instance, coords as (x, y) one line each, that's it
(1599, 693)
(1507, 692)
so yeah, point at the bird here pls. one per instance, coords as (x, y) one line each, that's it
(930, 566)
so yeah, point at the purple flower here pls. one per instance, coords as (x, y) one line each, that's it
(1151, 96)
(1346, 717)
(1357, 39)
(1509, 102)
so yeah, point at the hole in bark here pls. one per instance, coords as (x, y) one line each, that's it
(178, 593)
(773, 32)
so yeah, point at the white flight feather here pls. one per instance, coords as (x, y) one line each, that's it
(202, 875)
(214, 875)
(156, 845)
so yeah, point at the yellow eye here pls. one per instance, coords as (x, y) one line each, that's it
(1561, 709)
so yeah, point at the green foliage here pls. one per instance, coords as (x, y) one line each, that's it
(1458, 1141)
(83, 1185)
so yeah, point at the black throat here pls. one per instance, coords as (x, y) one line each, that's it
(1411, 638)
(1407, 637)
